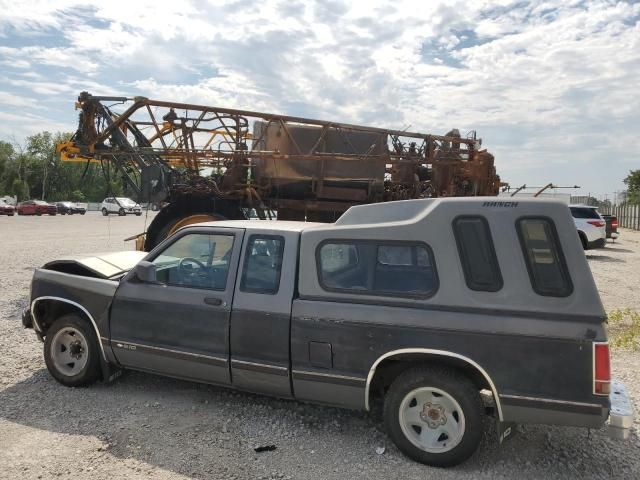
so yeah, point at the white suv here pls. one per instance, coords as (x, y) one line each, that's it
(120, 205)
(591, 226)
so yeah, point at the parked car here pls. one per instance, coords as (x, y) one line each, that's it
(6, 209)
(69, 208)
(612, 226)
(120, 205)
(429, 305)
(36, 207)
(591, 226)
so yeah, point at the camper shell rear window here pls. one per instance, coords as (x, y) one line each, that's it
(543, 256)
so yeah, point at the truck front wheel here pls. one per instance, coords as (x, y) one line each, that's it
(434, 416)
(71, 352)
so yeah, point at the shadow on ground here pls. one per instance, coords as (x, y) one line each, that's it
(619, 250)
(605, 258)
(205, 432)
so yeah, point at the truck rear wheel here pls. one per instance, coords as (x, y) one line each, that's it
(71, 352)
(434, 416)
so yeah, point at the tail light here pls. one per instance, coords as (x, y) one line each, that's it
(614, 222)
(601, 369)
(596, 223)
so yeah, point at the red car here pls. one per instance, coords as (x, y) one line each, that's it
(36, 207)
(6, 209)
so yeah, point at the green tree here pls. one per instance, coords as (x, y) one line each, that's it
(6, 166)
(20, 189)
(77, 196)
(35, 171)
(633, 186)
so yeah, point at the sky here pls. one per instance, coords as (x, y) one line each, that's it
(552, 87)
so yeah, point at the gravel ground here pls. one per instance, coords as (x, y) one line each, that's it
(144, 426)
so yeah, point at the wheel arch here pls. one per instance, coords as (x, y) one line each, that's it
(398, 360)
(583, 239)
(56, 307)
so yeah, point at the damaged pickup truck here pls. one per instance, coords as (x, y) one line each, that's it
(447, 310)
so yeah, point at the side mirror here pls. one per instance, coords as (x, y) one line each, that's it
(145, 272)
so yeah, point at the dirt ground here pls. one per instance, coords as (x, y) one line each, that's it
(144, 426)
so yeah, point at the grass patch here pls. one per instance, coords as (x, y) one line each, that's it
(624, 328)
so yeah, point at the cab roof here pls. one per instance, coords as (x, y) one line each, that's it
(279, 225)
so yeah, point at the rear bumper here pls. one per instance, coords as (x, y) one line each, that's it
(621, 413)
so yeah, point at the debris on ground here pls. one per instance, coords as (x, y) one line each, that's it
(265, 448)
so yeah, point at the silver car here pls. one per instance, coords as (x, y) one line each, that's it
(120, 205)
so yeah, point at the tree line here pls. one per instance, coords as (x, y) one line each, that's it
(633, 186)
(33, 170)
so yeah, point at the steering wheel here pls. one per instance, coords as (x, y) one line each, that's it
(186, 260)
(196, 277)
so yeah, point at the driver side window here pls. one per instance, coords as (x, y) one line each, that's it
(197, 260)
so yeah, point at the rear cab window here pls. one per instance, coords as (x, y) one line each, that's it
(377, 268)
(543, 256)
(262, 264)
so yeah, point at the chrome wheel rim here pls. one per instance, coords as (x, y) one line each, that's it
(431, 419)
(69, 351)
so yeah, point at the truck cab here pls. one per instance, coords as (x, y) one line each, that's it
(444, 309)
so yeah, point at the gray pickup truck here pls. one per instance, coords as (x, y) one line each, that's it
(446, 309)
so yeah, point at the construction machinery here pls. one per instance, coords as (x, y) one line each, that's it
(208, 163)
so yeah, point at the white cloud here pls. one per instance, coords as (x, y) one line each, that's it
(7, 98)
(545, 82)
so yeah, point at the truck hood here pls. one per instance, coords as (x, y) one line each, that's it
(102, 265)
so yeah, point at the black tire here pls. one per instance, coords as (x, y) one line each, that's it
(82, 213)
(583, 240)
(456, 386)
(138, 214)
(122, 213)
(105, 212)
(91, 370)
(183, 207)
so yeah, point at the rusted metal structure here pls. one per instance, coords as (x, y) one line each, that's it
(211, 163)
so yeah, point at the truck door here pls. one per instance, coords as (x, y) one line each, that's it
(261, 315)
(180, 325)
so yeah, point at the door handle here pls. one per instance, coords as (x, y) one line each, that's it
(212, 301)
